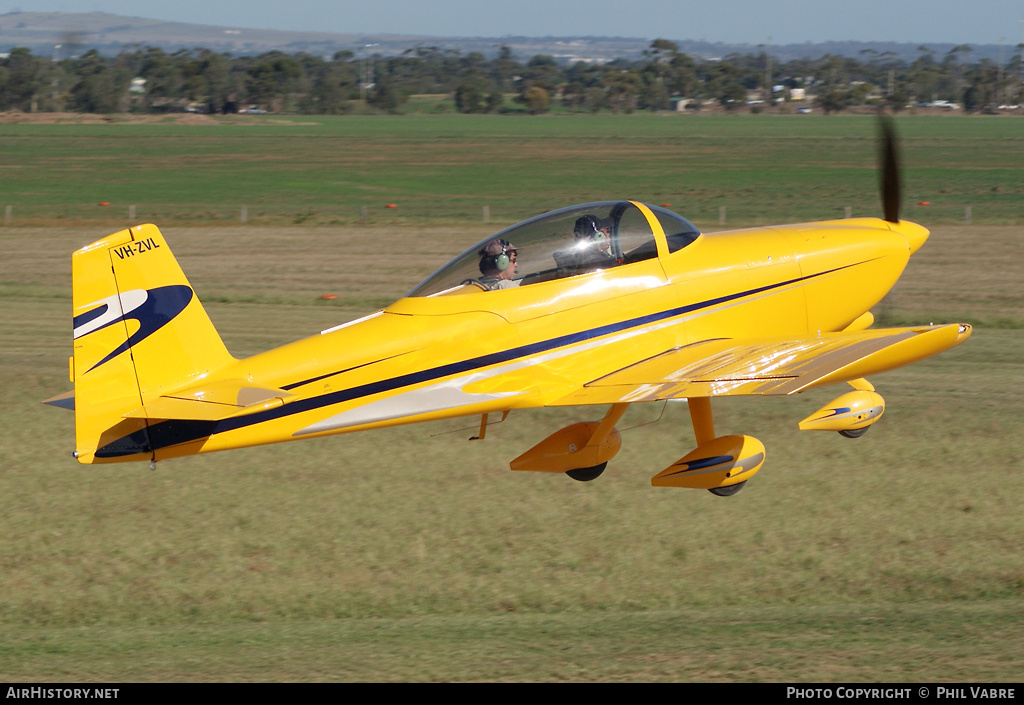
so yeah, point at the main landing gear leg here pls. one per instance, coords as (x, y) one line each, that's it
(606, 426)
(581, 450)
(703, 421)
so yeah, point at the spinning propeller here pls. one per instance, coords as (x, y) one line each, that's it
(889, 158)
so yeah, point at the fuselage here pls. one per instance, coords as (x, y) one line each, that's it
(467, 351)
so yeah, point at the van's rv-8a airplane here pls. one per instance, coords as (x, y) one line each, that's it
(606, 304)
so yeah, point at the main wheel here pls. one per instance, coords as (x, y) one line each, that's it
(854, 432)
(587, 474)
(727, 491)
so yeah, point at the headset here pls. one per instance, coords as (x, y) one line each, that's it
(588, 227)
(500, 261)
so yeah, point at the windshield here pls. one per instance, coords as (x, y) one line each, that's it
(562, 243)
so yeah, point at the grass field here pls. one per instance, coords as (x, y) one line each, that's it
(413, 554)
(446, 168)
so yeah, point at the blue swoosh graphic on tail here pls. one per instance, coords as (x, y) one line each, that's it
(161, 306)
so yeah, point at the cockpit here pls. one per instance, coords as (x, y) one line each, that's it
(563, 243)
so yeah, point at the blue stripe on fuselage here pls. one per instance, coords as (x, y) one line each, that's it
(177, 431)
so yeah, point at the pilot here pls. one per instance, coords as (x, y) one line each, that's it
(498, 265)
(591, 247)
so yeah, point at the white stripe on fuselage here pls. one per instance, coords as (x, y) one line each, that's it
(450, 394)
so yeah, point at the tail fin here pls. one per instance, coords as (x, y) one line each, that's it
(140, 331)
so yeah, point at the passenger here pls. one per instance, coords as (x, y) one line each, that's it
(591, 248)
(498, 265)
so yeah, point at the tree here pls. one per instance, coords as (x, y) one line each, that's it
(897, 100)
(495, 102)
(833, 100)
(216, 70)
(386, 96)
(469, 96)
(543, 70)
(662, 47)
(573, 95)
(977, 96)
(536, 99)
(333, 85)
(652, 94)
(681, 76)
(100, 87)
(163, 74)
(22, 80)
(722, 82)
(622, 90)
(315, 84)
(504, 67)
(273, 76)
(925, 76)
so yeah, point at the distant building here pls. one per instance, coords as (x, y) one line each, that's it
(682, 104)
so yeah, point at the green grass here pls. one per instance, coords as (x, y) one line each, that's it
(414, 554)
(333, 559)
(953, 643)
(446, 168)
(890, 558)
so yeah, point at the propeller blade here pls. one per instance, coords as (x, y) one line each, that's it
(889, 158)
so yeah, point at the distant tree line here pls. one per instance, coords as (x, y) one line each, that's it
(147, 79)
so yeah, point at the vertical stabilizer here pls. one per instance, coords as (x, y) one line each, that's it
(139, 331)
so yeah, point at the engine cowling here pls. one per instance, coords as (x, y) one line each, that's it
(723, 462)
(849, 412)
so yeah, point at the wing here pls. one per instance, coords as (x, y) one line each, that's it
(733, 367)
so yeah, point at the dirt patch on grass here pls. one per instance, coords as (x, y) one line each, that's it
(15, 117)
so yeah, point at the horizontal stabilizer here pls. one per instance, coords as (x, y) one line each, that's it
(211, 402)
(725, 367)
(64, 401)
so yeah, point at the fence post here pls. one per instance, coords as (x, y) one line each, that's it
(848, 212)
(721, 215)
(7, 215)
(487, 214)
(245, 214)
(131, 214)
(967, 215)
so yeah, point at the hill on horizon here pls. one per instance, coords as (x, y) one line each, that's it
(62, 35)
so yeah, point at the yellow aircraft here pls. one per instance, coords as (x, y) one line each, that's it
(609, 303)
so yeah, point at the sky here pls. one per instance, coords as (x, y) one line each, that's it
(730, 21)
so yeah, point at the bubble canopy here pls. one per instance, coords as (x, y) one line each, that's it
(563, 243)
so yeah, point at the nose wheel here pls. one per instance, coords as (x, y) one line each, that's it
(727, 491)
(854, 432)
(722, 465)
